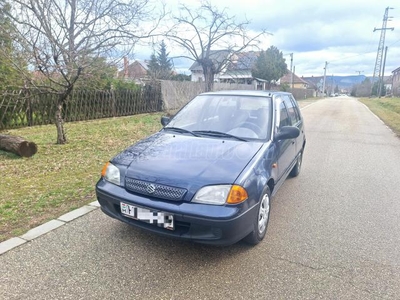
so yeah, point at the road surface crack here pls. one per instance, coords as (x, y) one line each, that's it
(298, 263)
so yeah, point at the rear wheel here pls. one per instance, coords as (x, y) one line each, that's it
(297, 167)
(261, 222)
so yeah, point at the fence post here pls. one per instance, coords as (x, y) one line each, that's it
(113, 104)
(29, 112)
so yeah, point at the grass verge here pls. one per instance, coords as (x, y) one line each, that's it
(388, 109)
(60, 178)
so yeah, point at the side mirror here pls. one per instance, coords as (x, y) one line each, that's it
(287, 132)
(165, 120)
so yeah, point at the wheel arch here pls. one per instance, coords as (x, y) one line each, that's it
(271, 184)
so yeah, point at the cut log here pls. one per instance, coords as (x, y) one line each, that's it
(17, 145)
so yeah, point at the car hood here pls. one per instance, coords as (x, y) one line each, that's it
(187, 161)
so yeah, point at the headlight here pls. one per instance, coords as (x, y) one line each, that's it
(111, 173)
(220, 194)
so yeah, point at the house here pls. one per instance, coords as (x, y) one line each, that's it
(218, 57)
(238, 69)
(313, 83)
(387, 84)
(396, 82)
(136, 71)
(298, 83)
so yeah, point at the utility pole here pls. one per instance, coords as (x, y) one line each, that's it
(294, 71)
(359, 72)
(323, 86)
(291, 70)
(379, 54)
(381, 83)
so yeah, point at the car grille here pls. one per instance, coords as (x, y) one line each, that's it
(154, 189)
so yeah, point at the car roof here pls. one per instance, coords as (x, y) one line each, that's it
(254, 93)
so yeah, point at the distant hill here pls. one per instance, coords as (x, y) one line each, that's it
(343, 82)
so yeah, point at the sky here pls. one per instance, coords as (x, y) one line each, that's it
(339, 32)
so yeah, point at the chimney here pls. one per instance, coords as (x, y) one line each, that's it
(126, 64)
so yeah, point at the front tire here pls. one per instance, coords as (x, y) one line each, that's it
(261, 221)
(297, 167)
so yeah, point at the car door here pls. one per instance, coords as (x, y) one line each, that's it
(286, 149)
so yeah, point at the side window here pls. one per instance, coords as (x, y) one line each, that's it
(284, 118)
(296, 108)
(291, 110)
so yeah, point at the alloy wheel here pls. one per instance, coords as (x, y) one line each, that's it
(263, 214)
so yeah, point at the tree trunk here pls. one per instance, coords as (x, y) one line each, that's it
(208, 79)
(208, 72)
(61, 136)
(17, 145)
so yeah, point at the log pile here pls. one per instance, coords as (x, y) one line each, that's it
(17, 145)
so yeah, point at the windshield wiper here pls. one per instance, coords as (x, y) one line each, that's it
(219, 134)
(180, 130)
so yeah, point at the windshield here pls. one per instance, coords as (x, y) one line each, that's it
(240, 116)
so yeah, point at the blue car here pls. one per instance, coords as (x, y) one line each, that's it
(208, 176)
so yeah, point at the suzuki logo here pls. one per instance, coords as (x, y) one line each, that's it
(151, 188)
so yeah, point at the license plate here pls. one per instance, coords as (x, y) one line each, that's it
(159, 218)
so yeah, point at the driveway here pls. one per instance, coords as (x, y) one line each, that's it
(334, 233)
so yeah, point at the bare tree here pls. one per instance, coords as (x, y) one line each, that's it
(65, 37)
(211, 37)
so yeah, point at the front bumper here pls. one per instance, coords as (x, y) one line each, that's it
(207, 224)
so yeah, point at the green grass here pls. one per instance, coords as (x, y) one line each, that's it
(388, 109)
(59, 178)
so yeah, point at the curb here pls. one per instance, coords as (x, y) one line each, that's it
(40, 230)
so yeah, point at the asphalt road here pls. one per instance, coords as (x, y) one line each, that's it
(334, 233)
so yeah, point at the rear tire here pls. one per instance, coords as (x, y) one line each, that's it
(297, 167)
(261, 221)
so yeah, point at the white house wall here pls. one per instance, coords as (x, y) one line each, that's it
(197, 76)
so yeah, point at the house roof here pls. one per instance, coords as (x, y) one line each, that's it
(243, 60)
(137, 69)
(296, 79)
(396, 70)
(311, 82)
(236, 74)
(239, 66)
(217, 57)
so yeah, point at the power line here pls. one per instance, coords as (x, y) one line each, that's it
(352, 56)
(394, 43)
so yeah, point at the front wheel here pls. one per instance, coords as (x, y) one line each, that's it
(297, 167)
(261, 222)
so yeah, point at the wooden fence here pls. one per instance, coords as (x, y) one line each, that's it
(176, 94)
(27, 108)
